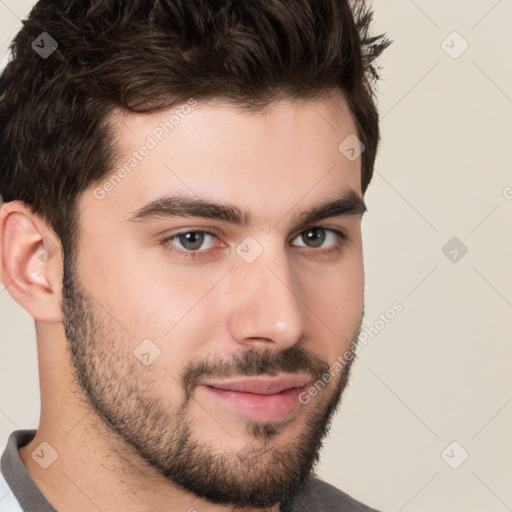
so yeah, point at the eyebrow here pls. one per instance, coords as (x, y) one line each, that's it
(169, 206)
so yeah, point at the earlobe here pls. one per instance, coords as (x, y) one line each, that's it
(27, 260)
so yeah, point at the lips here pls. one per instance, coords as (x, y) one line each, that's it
(259, 398)
(261, 385)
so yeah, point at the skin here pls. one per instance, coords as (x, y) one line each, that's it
(125, 286)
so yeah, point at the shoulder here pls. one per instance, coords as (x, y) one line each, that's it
(320, 496)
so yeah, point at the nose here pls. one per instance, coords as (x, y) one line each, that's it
(267, 310)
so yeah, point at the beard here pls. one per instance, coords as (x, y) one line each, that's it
(121, 391)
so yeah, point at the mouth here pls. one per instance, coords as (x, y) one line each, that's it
(259, 398)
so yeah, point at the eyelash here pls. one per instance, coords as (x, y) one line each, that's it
(199, 255)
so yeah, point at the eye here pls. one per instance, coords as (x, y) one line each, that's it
(317, 236)
(192, 240)
(199, 245)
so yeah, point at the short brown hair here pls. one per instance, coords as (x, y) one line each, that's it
(147, 55)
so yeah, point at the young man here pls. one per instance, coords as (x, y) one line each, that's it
(183, 189)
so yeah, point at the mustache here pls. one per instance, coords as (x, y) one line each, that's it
(252, 362)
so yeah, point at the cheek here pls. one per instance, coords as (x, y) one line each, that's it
(149, 299)
(335, 297)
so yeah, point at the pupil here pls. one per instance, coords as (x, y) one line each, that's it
(192, 240)
(314, 236)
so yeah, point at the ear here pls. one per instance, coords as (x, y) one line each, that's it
(30, 266)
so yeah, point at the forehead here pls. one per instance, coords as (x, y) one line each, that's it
(265, 160)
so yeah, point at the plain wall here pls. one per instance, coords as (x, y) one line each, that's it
(438, 372)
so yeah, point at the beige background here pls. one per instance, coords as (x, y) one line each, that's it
(439, 371)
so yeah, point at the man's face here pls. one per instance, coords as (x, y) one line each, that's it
(193, 335)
